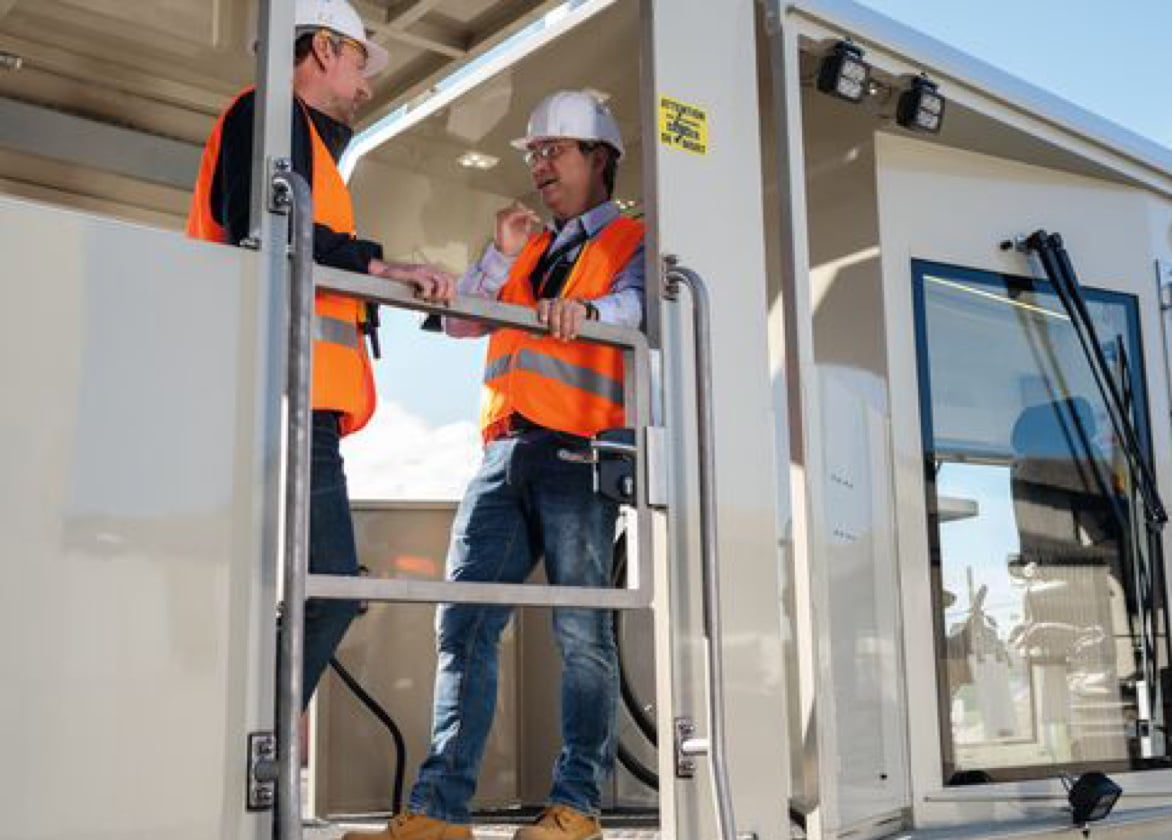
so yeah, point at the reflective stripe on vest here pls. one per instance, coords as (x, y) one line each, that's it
(574, 387)
(581, 378)
(335, 331)
(342, 378)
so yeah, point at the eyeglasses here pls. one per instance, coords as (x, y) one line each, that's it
(550, 151)
(339, 40)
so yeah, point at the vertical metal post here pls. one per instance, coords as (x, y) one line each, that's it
(291, 187)
(715, 747)
(1137, 522)
(272, 136)
(269, 230)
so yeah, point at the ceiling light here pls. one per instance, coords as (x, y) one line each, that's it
(1092, 797)
(921, 107)
(477, 160)
(500, 58)
(844, 74)
(599, 95)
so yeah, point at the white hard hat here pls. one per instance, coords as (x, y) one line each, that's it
(575, 114)
(339, 16)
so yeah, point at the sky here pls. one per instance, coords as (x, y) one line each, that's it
(1107, 56)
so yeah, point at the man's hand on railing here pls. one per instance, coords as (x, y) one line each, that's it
(563, 316)
(431, 284)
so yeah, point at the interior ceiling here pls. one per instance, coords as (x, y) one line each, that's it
(167, 67)
(491, 115)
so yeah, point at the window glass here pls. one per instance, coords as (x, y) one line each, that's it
(1049, 626)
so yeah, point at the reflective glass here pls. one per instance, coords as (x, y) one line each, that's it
(1042, 578)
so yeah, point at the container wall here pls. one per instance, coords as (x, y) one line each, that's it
(137, 612)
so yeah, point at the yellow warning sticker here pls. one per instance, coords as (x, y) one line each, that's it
(683, 126)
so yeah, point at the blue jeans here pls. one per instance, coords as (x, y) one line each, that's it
(331, 550)
(530, 499)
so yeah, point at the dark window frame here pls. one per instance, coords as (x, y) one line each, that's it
(1001, 282)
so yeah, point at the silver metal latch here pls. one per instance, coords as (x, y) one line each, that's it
(280, 198)
(262, 771)
(687, 747)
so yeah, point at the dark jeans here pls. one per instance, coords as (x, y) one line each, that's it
(532, 498)
(331, 549)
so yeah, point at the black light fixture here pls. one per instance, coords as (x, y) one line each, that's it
(844, 74)
(1091, 797)
(921, 107)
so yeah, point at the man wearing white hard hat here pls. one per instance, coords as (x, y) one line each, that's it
(533, 498)
(333, 59)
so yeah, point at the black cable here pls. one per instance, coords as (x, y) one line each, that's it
(637, 768)
(379, 712)
(634, 708)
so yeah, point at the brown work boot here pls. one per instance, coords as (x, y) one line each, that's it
(415, 827)
(561, 822)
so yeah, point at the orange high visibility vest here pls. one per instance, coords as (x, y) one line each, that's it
(342, 377)
(574, 387)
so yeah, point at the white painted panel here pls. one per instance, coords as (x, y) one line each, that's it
(134, 607)
(862, 705)
(955, 207)
(708, 210)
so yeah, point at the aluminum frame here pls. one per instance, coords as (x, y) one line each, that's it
(637, 364)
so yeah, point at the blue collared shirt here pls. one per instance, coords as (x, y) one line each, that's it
(623, 306)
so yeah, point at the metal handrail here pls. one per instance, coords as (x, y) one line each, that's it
(298, 584)
(714, 745)
(637, 401)
(481, 310)
(292, 191)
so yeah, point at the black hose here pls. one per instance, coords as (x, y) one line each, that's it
(638, 714)
(637, 768)
(634, 708)
(379, 712)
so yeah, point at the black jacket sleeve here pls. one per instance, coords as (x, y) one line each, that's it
(232, 189)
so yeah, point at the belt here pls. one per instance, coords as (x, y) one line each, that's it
(512, 425)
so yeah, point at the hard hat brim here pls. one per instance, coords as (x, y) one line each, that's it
(377, 59)
(521, 144)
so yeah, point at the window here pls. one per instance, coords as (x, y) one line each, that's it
(1051, 634)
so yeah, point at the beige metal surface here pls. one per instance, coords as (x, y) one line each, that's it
(137, 615)
(391, 651)
(167, 67)
(496, 112)
(847, 725)
(1107, 228)
(706, 209)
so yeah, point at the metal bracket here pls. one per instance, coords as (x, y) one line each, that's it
(1016, 243)
(613, 453)
(1164, 276)
(687, 747)
(280, 200)
(262, 771)
(671, 289)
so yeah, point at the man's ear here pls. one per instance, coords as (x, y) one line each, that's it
(598, 158)
(322, 49)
